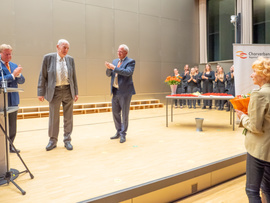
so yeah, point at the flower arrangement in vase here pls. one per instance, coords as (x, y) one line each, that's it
(173, 81)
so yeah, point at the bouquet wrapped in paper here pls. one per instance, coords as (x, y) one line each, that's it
(240, 102)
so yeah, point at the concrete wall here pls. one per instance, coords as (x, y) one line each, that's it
(161, 35)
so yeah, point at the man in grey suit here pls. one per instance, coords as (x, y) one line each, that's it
(122, 88)
(58, 84)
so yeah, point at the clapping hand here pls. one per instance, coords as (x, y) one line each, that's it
(109, 65)
(17, 71)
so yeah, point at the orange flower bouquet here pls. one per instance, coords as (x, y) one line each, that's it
(240, 102)
(173, 80)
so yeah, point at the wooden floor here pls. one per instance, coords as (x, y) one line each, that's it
(230, 192)
(98, 165)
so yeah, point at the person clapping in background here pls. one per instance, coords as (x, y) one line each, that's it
(192, 86)
(208, 77)
(220, 80)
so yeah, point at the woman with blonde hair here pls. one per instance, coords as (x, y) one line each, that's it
(220, 86)
(257, 131)
(192, 86)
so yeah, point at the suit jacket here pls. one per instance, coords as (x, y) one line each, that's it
(211, 76)
(257, 123)
(13, 97)
(199, 81)
(47, 77)
(125, 72)
(230, 84)
(184, 80)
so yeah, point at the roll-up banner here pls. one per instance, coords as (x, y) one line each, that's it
(243, 57)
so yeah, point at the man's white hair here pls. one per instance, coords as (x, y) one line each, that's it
(61, 41)
(125, 47)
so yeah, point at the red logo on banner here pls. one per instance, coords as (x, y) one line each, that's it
(241, 54)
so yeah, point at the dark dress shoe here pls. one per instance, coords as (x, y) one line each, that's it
(210, 107)
(204, 107)
(116, 136)
(122, 139)
(68, 146)
(50, 146)
(12, 150)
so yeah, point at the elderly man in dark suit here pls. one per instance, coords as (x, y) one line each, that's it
(122, 88)
(12, 74)
(58, 84)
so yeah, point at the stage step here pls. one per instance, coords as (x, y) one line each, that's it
(86, 108)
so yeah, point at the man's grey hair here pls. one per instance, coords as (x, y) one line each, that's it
(5, 46)
(125, 47)
(61, 41)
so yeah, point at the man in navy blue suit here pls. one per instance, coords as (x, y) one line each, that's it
(122, 88)
(13, 76)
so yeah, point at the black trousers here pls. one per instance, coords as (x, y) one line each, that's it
(207, 87)
(258, 177)
(220, 89)
(12, 124)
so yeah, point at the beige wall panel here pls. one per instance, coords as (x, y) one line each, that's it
(81, 73)
(174, 192)
(33, 27)
(150, 37)
(7, 22)
(100, 3)
(69, 23)
(97, 82)
(186, 8)
(159, 33)
(171, 8)
(31, 68)
(170, 49)
(228, 172)
(126, 32)
(150, 80)
(100, 33)
(136, 76)
(76, 1)
(193, 45)
(187, 48)
(126, 5)
(150, 7)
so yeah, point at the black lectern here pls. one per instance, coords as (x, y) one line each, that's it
(8, 175)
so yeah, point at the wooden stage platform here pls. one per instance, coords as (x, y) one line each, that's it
(98, 166)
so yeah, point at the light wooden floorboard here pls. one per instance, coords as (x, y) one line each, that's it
(98, 165)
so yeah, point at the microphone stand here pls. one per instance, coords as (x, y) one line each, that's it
(10, 174)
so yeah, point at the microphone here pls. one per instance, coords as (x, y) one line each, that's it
(3, 82)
